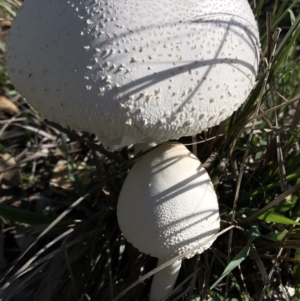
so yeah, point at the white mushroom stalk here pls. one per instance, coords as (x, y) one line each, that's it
(167, 206)
(164, 281)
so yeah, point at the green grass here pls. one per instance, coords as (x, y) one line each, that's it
(62, 241)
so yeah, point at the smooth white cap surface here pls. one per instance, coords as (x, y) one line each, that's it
(167, 204)
(134, 71)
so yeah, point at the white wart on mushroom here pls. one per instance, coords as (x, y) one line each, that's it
(131, 72)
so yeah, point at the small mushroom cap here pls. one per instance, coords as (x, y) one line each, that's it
(131, 72)
(167, 204)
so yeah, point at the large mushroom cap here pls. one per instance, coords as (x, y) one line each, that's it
(167, 204)
(133, 71)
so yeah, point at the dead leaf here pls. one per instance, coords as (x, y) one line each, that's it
(61, 183)
(11, 177)
(5, 23)
(7, 108)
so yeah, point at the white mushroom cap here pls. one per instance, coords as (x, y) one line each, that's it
(131, 72)
(167, 204)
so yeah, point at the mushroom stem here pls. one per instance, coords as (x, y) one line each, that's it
(164, 281)
(142, 147)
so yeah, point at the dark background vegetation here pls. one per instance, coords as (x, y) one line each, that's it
(59, 236)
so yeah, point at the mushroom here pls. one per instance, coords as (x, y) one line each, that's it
(134, 73)
(131, 72)
(166, 207)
